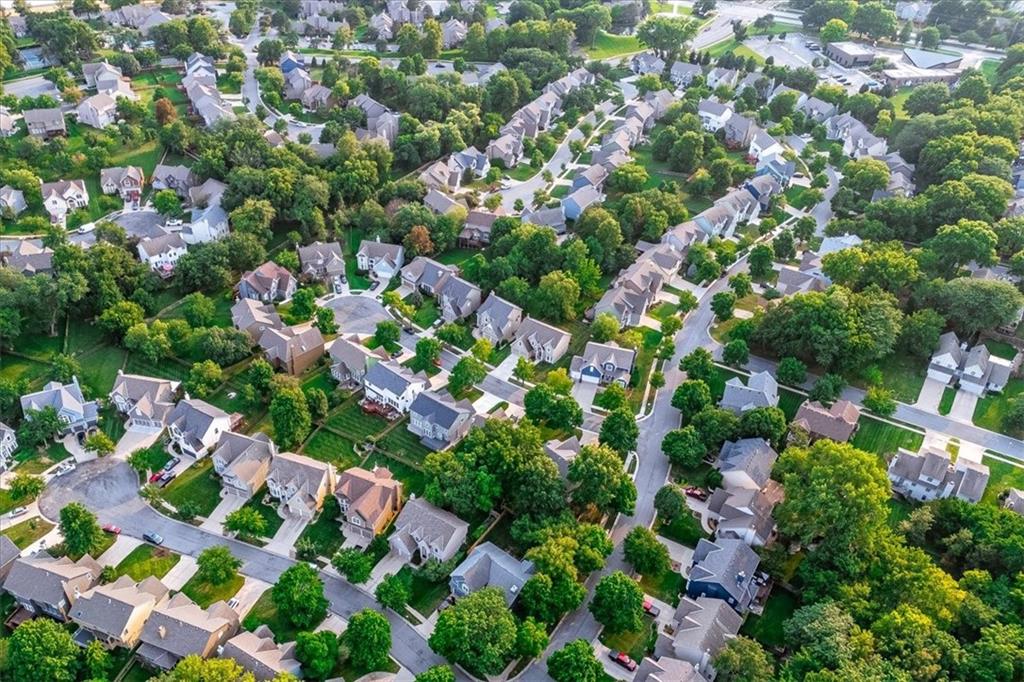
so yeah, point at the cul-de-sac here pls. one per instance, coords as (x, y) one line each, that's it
(512, 340)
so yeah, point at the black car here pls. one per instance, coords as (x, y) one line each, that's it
(153, 538)
(409, 330)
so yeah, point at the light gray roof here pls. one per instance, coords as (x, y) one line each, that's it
(752, 456)
(154, 246)
(741, 510)
(61, 397)
(193, 417)
(320, 255)
(761, 390)
(181, 627)
(710, 106)
(304, 473)
(441, 409)
(234, 447)
(374, 248)
(729, 563)
(490, 566)
(390, 376)
(9, 552)
(51, 118)
(705, 624)
(562, 453)
(46, 580)
(435, 526)
(500, 312)
(107, 608)
(427, 272)
(600, 353)
(258, 653)
(969, 480)
(181, 175)
(1015, 501)
(29, 259)
(248, 312)
(584, 197)
(353, 355)
(459, 294)
(667, 669)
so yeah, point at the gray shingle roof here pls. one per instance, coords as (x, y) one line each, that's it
(46, 580)
(107, 608)
(440, 409)
(753, 456)
(490, 566)
(729, 563)
(390, 376)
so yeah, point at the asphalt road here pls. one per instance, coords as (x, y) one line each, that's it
(108, 487)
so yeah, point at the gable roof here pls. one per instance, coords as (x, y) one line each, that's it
(370, 493)
(181, 627)
(836, 423)
(46, 580)
(107, 608)
(390, 376)
(753, 456)
(441, 409)
(490, 566)
(729, 563)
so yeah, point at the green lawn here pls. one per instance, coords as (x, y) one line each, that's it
(989, 412)
(147, 560)
(1002, 476)
(946, 402)
(645, 357)
(405, 444)
(25, 533)
(636, 644)
(456, 256)
(204, 593)
(608, 45)
(111, 423)
(666, 586)
(353, 422)
(1001, 349)
(103, 543)
(325, 532)
(883, 438)
(426, 314)
(990, 67)
(166, 369)
(197, 485)
(269, 514)
(425, 595)
(560, 191)
(789, 403)
(100, 366)
(414, 481)
(904, 376)
(685, 530)
(899, 101)
(328, 446)
(767, 628)
(264, 612)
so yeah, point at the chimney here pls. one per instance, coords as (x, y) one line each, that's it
(161, 631)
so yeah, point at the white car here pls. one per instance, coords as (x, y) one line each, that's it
(17, 511)
(65, 468)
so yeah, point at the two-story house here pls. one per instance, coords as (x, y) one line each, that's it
(259, 654)
(713, 114)
(145, 401)
(77, 414)
(322, 261)
(267, 283)
(932, 475)
(179, 627)
(390, 384)
(299, 484)
(63, 197)
(382, 261)
(125, 181)
(761, 390)
(725, 569)
(293, 349)
(458, 299)
(45, 586)
(490, 566)
(424, 532)
(350, 359)
(701, 627)
(242, 462)
(254, 318)
(439, 420)
(114, 614)
(746, 463)
(540, 342)
(369, 500)
(427, 275)
(195, 426)
(8, 445)
(603, 363)
(497, 320)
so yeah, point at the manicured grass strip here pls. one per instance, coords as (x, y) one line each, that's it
(325, 533)
(685, 530)
(25, 533)
(1001, 349)
(404, 443)
(196, 485)
(607, 45)
(425, 595)
(147, 560)
(204, 593)
(264, 612)
(990, 410)
(883, 438)
(105, 541)
(767, 628)
(352, 421)
(328, 446)
(789, 403)
(946, 402)
(269, 514)
(666, 586)
(1002, 476)
(426, 314)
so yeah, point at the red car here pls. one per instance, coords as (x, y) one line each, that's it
(697, 493)
(112, 529)
(623, 659)
(156, 476)
(650, 609)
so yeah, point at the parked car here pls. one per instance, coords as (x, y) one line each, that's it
(650, 609)
(374, 285)
(66, 467)
(17, 511)
(233, 603)
(173, 462)
(623, 659)
(153, 538)
(696, 493)
(165, 478)
(409, 329)
(112, 529)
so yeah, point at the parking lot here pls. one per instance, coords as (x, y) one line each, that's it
(791, 52)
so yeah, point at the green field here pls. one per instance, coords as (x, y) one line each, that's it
(353, 422)
(25, 533)
(990, 410)
(608, 45)
(789, 403)
(328, 446)
(147, 560)
(767, 628)
(425, 595)
(685, 530)
(204, 593)
(883, 438)
(198, 485)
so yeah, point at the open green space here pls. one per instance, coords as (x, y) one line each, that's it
(1002, 476)
(646, 354)
(903, 374)
(883, 438)
(426, 314)
(325, 533)
(205, 593)
(100, 366)
(168, 368)
(1001, 349)
(607, 45)
(328, 446)
(684, 529)
(353, 422)
(637, 644)
(102, 544)
(402, 442)
(147, 560)
(25, 533)
(991, 409)
(425, 596)
(264, 612)
(414, 481)
(789, 403)
(197, 485)
(767, 627)
(665, 586)
(456, 256)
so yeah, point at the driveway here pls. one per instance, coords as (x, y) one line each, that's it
(121, 548)
(963, 407)
(931, 395)
(215, 521)
(250, 591)
(285, 537)
(584, 394)
(357, 314)
(179, 575)
(392, 563)
(134, 440)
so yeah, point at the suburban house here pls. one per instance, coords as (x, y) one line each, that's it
(506, 148)
(254, 318)
(592, 176)
(207, 224)
(761, 390)
(63, 197)
(257, 653)
(146, 401)
(295, 83)
(540, 342)
(101, 75)
(8, 445)
(293, 349)
(603, 363)
(45, 123)
(976, 370)
(647, 62)
(667, 668)
(930, 474)
(857, 140)
(162, 252)
(28, 259)
(350, 360)
(720, 76)
(290, 61)
(817, 110)
(179, 628)
(578, 201)
(207, 194)
(98, 111)
(1014, 501)
(683, 73)
(763, 145)
(796, 281)
(179, 178)
(322, 261)
(744, 514)
(837, 423)
(113, 614)
(547, 217)
(12, 202)
(490, 566)
(701, 626)
(562, 453)
(382, 261)
(9, 553)
(195, 426)
(476, 231)
(368, 501)
(659, 101)
(441, 203)
(76, 413)
(125, 181)
(268, 282)
(424, 532)
(242, 462)
(497, 320)
(388, 383)
(427, 275)
(439, 420)
(300, 484)
(739, 131)
(43, 585)
(458, 299)
(746, 463)
(724, 569)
